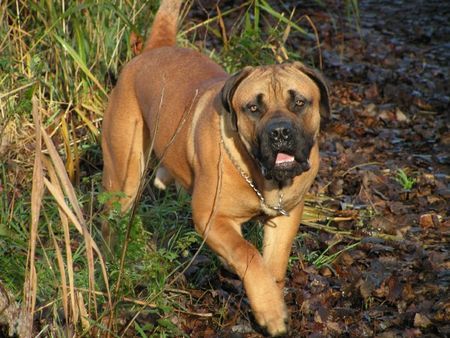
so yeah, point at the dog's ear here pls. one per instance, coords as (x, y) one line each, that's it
(228, 90)
(319, 79)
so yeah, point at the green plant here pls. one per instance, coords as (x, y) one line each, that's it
(352, 13)
(258, 38)
(407, 182)
(324, 259)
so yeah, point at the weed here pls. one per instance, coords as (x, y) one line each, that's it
(258, 37)
(325, 259)
(366, 213)
(405, 181)
(352, 13)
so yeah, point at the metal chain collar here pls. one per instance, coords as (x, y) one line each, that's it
(279, 209)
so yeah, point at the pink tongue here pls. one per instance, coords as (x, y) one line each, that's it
(283, 158)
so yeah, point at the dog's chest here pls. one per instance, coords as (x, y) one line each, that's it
(278, 202)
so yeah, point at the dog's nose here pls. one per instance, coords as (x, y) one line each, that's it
(280, 131)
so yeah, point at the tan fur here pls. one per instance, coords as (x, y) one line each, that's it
(170, 97)
(164, 30)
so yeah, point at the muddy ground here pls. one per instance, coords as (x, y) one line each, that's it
(391, 99)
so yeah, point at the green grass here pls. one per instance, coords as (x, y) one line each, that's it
(326, 258)
(67, 55)
(406, 182)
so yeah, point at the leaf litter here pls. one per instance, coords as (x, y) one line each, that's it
(384, 157)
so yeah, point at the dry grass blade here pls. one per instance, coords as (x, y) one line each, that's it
(61, 188)
(68, 248)
(16, 90)
(76, 217)
(88, 123)
(70, 163)
(59, 198)
(83, 312)
(37, 193)
(76, 153)
(67, 187)
(223, 30)
(62, 271)
(316, 35)
(125, 299)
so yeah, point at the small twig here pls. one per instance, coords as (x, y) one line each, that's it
(331, 230)
(349, 234)
(342, 219)
(385, 237)
(316, 34)
(183, 292)
(123, 299)
(16, 90)
(198, 314)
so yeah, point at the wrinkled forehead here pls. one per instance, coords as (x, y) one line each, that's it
(275, 83)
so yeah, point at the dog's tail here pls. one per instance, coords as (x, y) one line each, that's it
(164, 29)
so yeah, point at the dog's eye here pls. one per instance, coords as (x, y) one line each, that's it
(299, 102)
(253, 108)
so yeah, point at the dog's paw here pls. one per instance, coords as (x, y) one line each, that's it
(273, 318)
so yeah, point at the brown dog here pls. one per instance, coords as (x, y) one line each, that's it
(243, 145)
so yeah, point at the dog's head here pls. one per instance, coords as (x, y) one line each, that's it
(277, 110)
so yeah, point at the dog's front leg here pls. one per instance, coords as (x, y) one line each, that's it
(266, 298)
(279, 233)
